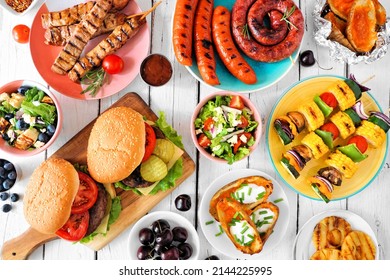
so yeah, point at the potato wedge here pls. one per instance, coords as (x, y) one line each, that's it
(265, 216)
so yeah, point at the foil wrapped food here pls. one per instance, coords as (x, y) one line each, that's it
(323, 28)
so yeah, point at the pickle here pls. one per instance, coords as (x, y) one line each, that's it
(154, 169)
(164, 150)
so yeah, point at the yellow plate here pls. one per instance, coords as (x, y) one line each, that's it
(303, 92)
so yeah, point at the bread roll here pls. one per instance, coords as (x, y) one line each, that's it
(116, 145)
(49, 195)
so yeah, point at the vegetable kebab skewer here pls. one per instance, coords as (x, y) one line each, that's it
(342, 94)
(343, 162)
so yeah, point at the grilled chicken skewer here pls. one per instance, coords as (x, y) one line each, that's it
(74, 14)
(84, 31)
(109, 45)
(58, 36)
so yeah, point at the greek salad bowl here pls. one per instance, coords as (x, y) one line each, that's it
(30, 118)
(226, 127)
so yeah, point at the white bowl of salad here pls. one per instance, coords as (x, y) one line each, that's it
(30, 118)
(226, 127)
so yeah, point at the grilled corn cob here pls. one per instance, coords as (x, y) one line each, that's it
(342, 163)
(372, 132)
(313, 115)
(344, 124)
(344, 95)
(316, 145)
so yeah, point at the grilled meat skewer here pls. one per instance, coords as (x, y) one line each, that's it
(109, 45)
(58, 36)
(84, 31)
(75, 14)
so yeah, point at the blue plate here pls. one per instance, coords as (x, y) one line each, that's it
(267, 73)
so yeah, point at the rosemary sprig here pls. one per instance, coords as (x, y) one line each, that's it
(287, 14)
(94, 79)
(245, 31)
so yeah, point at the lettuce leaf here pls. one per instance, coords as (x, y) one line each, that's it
(169, 131)
(116, 209)
(169, 181)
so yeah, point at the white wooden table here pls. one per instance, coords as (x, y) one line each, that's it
(178, 99)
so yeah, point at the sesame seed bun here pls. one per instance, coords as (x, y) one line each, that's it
(49, 195)
(116, 145)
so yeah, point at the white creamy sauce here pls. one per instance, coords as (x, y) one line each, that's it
(260, 215)
(249, 193)
(240, 229)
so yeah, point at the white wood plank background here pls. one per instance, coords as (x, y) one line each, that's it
(178, 99)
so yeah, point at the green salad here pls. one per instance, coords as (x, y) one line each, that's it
(225, 128)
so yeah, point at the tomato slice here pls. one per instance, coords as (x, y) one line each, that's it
(150, 142)
(208, 123)
(329, 99)
(360, 141)
(244, 122)
(86, 195)
(203, 141)
(75, 228)
(237, 102)
(332, 128)
(236, 146)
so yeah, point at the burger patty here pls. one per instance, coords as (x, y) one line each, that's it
(97, 211)
(134, 180)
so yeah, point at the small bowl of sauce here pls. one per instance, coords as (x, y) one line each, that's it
(156, 70)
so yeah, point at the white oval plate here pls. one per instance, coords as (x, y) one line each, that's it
(303, 247)
(222, 243)
(174, 220)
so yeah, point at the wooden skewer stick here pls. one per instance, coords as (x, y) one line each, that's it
(368, 79)
(144, 14)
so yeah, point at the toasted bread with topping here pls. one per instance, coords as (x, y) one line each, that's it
(249, 191)
(238, 226)
(265, 216)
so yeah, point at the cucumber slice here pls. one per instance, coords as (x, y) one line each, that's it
(286, 164)
(319, 193)
(326, 136)
(325, 109)
(164, 149)
(282, 135)
(382, 124)
(354, 116)
(355, 88)
(353, 152)
(154, 169)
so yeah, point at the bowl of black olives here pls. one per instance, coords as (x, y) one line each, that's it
(30, 118)
(163, 235)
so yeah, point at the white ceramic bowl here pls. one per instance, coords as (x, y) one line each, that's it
(174, 220)
(7, 8)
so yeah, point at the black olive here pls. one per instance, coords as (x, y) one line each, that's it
(14, 197)
(22, 125)
(9, 116)
(307, 58)
(43, 137)
(183, 202)
(213, 257)
(7, 208)
(4, 196)
(51, 129)
(22, 90)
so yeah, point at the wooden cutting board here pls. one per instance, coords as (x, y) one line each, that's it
(133, 206)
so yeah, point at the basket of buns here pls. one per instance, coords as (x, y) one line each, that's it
(354, 30)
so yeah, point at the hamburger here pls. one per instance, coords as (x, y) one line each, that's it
(134, 153)
(67, 202)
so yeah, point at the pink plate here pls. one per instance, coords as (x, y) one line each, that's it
(43, 55)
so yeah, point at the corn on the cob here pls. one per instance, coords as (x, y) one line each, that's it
(344, 95)
(344, 124)
(342, 163)
(313, 115)
(316, 145)
(373, 133)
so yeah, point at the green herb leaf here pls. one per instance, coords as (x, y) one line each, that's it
(278, 200)
(287, 14)
(94, 79)
(245, 32)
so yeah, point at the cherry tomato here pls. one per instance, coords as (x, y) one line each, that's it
(236, 102)
(75, 228)
(332, 128)
(236, 146)
(244, 122)
(150, 142)
(208, 123)
(21, 33)
(113, 64)
(203, 141)
(329, 99)
(86, 195)
(360, 141)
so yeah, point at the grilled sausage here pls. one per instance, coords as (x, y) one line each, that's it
(254, 49)
(84, 31)
(58, 36)
(109, 45)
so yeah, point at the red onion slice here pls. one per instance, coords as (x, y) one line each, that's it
(362, 88)
(298, 158)
(359, 109)
(326, 182)
(382, 116)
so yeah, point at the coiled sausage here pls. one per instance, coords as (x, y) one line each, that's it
(281, 39)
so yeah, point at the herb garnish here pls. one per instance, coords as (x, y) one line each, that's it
(287, 14)
(245, 31)
(278, 200)
(94, 79)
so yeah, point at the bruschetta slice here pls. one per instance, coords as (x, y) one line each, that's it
(249, 191)
(265, 216)
(238, 226)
